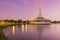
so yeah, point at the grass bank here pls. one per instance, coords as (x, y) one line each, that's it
(2, 36)
(2, 26)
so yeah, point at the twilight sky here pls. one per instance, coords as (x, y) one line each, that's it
(28, 9)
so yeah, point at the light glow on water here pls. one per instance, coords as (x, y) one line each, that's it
(26, 28)
(13, 30)
(22, 28)
(58, 28)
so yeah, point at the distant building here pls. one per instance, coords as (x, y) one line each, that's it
(39, 19)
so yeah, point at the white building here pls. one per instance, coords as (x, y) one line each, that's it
(40, 20)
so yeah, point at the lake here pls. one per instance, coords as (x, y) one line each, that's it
(33, 32)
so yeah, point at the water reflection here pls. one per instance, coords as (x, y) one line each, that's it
(22, 28)
(33, 32)
(26, 27)
(58, 28)
(40, 29)
(55, 27)
(13, 30)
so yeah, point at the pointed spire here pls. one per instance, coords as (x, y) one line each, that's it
(39, 12)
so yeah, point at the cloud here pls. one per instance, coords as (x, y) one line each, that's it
(5, 4)
(34, 2)
(29, 2)
(8, 4)
(21, 3)
(17, 3)
(25, 1)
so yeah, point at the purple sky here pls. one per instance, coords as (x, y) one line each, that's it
(28, 9)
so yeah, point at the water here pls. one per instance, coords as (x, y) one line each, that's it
(33, 32)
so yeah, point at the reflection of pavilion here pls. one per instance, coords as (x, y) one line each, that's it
(40, 29)
(40, 20)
